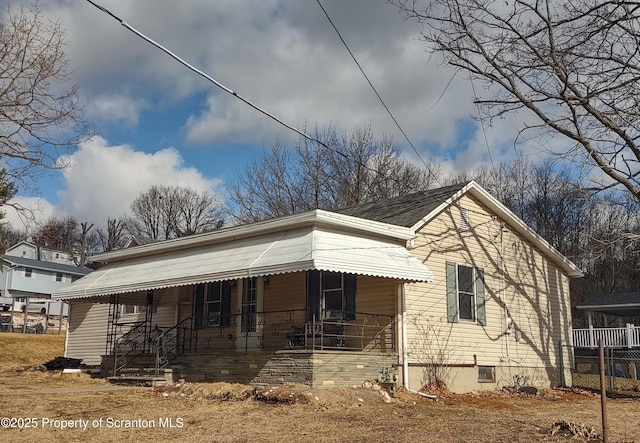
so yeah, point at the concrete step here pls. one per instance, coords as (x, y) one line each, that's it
(142, 377)
(133, 380)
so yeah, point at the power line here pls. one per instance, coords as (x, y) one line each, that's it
(223, 87)
(484, 132)
(373, 87)
(248, 102)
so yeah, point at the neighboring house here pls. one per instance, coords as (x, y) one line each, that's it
(621, 309)
(26, 249)
(445, 284)
(25, 279)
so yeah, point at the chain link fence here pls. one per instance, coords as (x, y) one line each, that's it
(622, 368)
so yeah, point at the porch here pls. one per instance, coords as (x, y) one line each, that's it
(627, 337)
(264, 348)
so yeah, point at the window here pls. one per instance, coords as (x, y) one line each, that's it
(486, 374)
(331, 295)
(58, 276)
(28, 272)
(465, 294)
(249, 304)
(212, 304)
(129, 309)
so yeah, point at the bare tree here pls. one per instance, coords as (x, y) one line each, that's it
(39, 111)
(66, 234)
(573, 64)
(165, 212)
(113, 237)
(355, 169)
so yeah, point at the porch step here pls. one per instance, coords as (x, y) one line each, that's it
(142, 377)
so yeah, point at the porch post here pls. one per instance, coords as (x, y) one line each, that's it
(592, 340)
(629, 335)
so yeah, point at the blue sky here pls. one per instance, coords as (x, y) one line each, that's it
(160, 123)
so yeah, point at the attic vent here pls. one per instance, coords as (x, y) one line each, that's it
(464, 221)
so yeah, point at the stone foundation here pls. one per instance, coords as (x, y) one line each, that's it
(313, 368)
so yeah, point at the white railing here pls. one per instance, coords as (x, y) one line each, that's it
(627, 337)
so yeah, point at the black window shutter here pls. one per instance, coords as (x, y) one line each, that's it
(313, 295)
(350, 287)
(198, 306)
(225, 305)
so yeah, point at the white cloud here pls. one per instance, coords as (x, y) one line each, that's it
(282, 55)
(103, 180)
(114, 108)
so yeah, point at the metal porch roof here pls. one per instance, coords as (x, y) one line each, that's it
(292, 250)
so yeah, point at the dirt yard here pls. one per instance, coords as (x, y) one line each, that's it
(43, 406)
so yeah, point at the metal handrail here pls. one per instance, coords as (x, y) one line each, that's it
(130, 339)
(167, 343)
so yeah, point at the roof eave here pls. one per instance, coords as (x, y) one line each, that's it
(505, 213)
(316, 217)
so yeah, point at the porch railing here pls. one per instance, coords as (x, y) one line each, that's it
(170, 343)
(133, 341)
(279, 330)
(627, 337)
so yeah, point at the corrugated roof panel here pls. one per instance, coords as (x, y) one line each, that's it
(289, 251)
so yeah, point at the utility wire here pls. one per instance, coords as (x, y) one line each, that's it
(373, 87)
(220, 85)
(484, 132)
(252, 105)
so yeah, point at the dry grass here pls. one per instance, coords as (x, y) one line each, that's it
(23, 351)
(198, 414)
(225, 412)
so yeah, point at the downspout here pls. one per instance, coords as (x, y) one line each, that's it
(405, 354)
(403, 325)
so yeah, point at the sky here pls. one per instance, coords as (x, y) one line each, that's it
(160, 123)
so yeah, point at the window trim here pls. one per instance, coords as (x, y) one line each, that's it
(28, 273)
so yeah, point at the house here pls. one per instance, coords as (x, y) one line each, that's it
(32, 251)
(23, 278)
(617, 308)
(443, 285)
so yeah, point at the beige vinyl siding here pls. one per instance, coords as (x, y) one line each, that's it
(87, 333)
(284, 306)
(532, 289)
(88, 324)
(376, 295)
(165, 314)
(376, 309)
